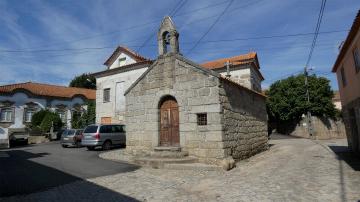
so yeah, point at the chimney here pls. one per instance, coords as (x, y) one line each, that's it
(228, 69)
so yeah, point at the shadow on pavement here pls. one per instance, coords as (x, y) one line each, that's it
(22, 176)
(343, 153)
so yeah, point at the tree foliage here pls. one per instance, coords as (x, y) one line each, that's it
(87, 118)
(287, 100)
(84, 81)
(38, 117)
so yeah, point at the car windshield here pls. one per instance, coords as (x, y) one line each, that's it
(68, 132)
(91, 129)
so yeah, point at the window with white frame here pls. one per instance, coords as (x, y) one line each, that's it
(7, 114)
(28, 114)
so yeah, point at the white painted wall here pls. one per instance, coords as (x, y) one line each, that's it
(128, 61)
(20, 100)
(246, 77)
(109, 109)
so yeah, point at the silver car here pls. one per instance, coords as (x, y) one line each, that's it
(104, 135)
(71, 137)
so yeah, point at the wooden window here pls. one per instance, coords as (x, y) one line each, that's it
(7, 115)
(202, 119)
(343, 77)
(356, 56)
(106, 95)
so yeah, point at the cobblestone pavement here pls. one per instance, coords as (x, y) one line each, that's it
(291, 170)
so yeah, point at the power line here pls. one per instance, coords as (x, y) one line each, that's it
(316, 33)
(129, 28)
(212, 25)
(209, 41)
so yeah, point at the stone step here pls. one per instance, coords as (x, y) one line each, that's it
(168, 154)
(160, 162)
(193, 166)
(168, 149)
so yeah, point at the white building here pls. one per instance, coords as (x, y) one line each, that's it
(125, 66)
(18, 102)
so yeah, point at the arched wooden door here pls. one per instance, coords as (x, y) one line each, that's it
(169, 123)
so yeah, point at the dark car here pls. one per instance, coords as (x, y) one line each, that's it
(71, 137)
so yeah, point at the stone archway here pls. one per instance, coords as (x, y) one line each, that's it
(169, 122)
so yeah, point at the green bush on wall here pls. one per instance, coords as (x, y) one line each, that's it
(38, 117)
(51, 118)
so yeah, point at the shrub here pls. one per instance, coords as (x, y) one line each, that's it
(51, 119)
(38, 117)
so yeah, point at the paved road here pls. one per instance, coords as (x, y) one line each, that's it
(293, 169)
(34, 168)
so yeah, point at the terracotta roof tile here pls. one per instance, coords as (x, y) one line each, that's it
(137, 57)
(49, 90)
(235, 60)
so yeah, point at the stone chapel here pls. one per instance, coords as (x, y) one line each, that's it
(178, 105)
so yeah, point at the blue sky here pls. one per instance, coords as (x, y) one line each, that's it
(52, 41)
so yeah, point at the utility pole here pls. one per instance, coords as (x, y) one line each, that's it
(308, 114)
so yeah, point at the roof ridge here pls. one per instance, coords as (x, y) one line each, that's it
(245, 54)
(47, 84)
(15, 84)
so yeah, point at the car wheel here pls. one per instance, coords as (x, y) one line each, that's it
(64, 146)
(90, 148)
(106, 145)
(78, 144)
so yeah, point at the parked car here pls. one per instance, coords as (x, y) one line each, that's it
(71, 137)
(104, 135)
(18, 136)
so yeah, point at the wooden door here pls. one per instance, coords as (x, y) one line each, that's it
(169, 123)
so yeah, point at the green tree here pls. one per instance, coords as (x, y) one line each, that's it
(87, 118)
(38, 117)
(84, 81)
(287, 102)
(51, 119)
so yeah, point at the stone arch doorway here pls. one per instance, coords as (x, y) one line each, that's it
(169, 122)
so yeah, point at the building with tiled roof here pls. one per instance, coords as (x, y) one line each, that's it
(243, 69)
(48, 90)
(347, 69)
(125, 66)
(18, 103)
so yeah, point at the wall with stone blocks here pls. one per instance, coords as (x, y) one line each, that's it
(195, 92)
(245, 121)
(323, 128)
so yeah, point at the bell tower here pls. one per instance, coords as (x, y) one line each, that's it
(168, 37)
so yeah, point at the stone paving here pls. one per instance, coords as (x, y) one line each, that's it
(291, 170)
